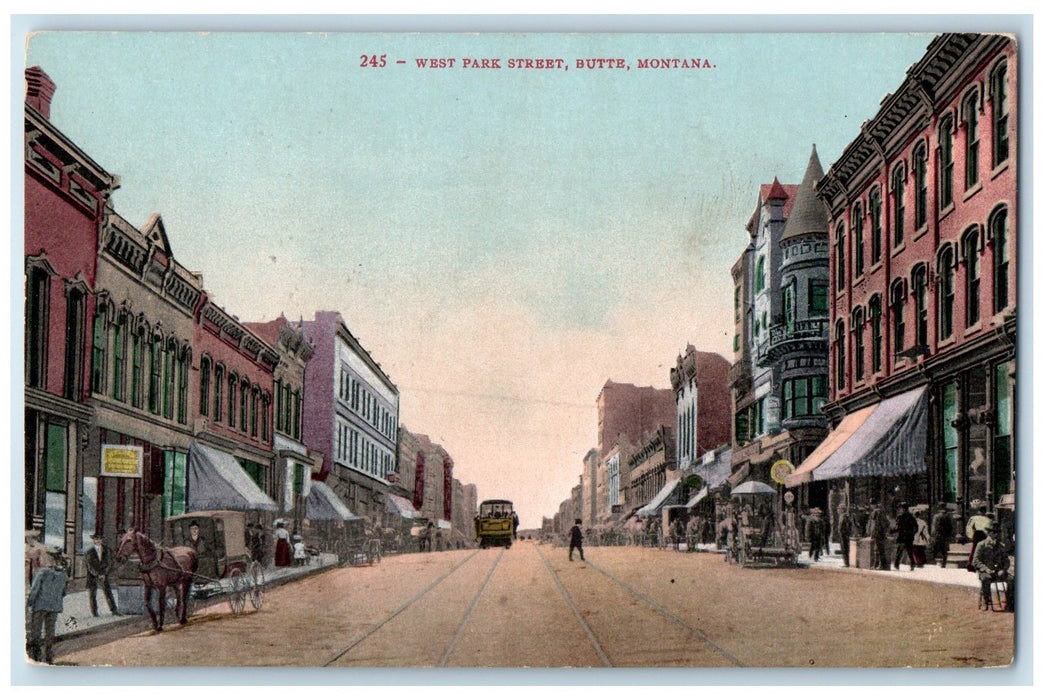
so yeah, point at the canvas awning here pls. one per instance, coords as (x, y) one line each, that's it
(886, 439)
(660, 499)
(700, 495)
(215, 481)
(400, 505)
(323, 504)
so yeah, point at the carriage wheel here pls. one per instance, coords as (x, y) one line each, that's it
(257, 585)
(237, 594)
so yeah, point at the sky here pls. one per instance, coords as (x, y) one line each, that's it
(501, 241)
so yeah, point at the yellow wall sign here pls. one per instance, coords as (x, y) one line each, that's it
(122, 460)
(780, 470)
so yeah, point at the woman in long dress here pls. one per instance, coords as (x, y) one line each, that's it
(282, 544)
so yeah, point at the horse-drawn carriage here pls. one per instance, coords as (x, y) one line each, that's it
(352, 542)
(172, 575)
(758, 535)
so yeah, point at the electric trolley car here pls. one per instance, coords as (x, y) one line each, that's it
(495, 523)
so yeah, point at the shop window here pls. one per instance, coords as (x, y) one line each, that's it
(174, 479)
(950, 442)
(55, 459)
(1002, 464)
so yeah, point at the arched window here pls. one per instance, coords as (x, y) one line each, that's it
(999, 235)
(138, 350)
(759, 274)
(971, 140)
(839, 354)
(266, 401)
(999, 121)
(254, 397)
(920, 186)
(898, 320)
(204, 386)
(233, 386)
(858, 348)
(99, 349)
(876, 337)
(857, 240)
(946, 292)
(169, 378)
(184, 367)
(920, 289)
(244, 398)
(875, 225)
(971, 277)
(37, 311)
(219, 383)
(119, 358)
(155, 374)
(946, 162)
(839, 257)
(898, 204)
(75, 325)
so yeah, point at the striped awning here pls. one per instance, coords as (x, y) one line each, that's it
(886, 439)
(654, 506)
(323, 504)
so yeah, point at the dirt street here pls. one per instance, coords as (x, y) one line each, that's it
(625, 607)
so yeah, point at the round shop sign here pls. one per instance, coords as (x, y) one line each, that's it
(693, 481)
(780, 470)
(789, 497)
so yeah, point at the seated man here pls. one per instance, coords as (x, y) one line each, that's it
(990, 560)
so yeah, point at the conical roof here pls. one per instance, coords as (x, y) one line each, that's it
(809, 214)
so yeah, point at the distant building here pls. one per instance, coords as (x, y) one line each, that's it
(703, 403)
(652, 466)
(429, 468)
(351, 415)
(923, 218)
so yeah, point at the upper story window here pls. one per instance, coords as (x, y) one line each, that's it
(920, 186)
(839, 355)
(920, 288)
(759, 274)
(875, 334)
(857, 240)
(999, 124)
(184, 367)
(789, 312)
(858, 348)
(971, 277)
(946, 162)
(898, 297)
(839, 257)
(119, 358)
(204, 386)
(75, 325)
(999, 235)
(233, 385)
(946, 292)
(137, 367)
(99, 350)
(971, 141)
(37, 309)
(244, 399)
(875, 225)
(818, 297)
(219, 383)
(898, 204)
(155, 374)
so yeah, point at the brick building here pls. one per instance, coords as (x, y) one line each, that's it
(922, 207)
(66, 193)
(703, 403)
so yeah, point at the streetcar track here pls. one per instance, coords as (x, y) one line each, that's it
(403, 607)
(471, 609)
(576, 611)
(667, 613)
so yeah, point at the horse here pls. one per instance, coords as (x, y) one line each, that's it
(160, 567)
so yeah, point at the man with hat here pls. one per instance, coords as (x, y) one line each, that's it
(45, 600)
(814, 533)
(942, 534)
(990, 561)
(976, 528)
(905, 531)
(98, 559)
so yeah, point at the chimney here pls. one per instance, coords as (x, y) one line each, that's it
(39, 89)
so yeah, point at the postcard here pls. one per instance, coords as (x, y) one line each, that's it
(508, 350)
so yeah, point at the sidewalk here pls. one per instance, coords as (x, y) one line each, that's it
(76, 620)
(932, 573)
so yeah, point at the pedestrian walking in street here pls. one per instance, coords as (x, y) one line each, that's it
(905, 531)
(976, 529)
(990, 560)
(98, 559)
(576, 540)
(844, 532)
(45, 601)
(814, 533)
(282, 544)
(36, 556)
(920, 541)
(942, 532)
(877, 527)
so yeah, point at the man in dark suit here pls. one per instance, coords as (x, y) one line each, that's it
(98, 559)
